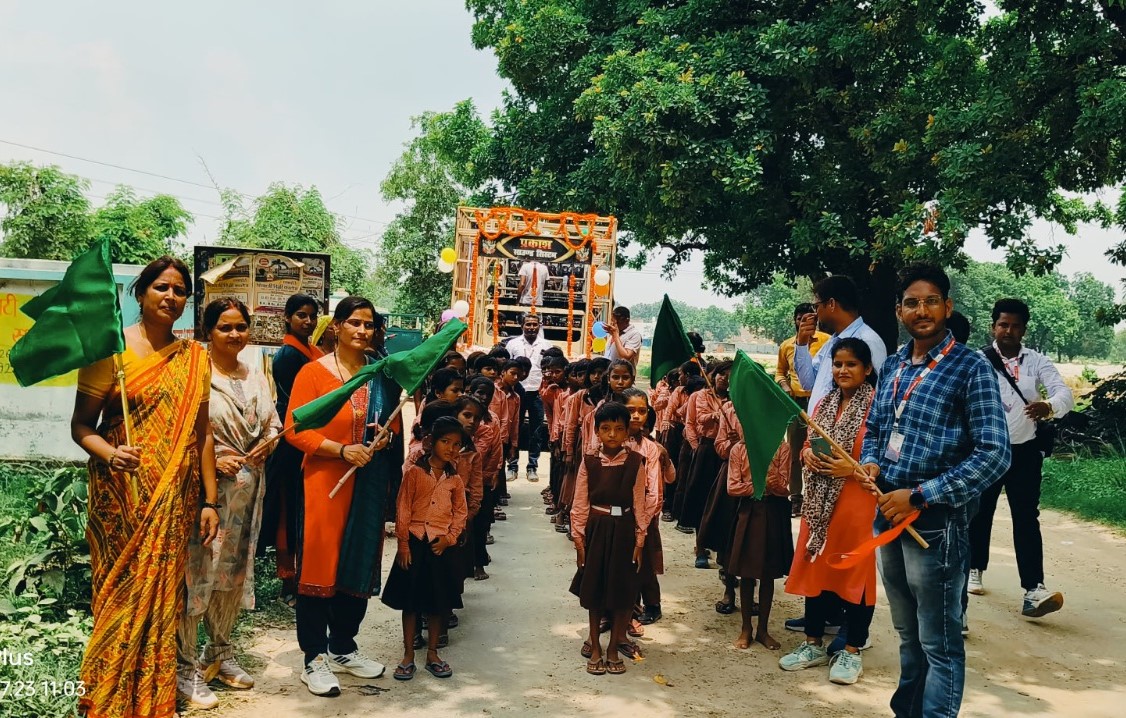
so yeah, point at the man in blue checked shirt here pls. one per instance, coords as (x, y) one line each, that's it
(936, 439)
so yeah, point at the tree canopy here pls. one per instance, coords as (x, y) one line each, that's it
(48, 216)
(431, 178)
(295, 219)
(812, 137)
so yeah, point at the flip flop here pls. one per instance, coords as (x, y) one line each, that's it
(404, 673)
(439, 669)
(596, 668)
(635, 629)
(615, 668)
(587, 650)
(630, 650)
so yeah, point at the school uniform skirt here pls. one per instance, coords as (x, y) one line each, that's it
(609, 580)
(705, 468)
(679, 489)
(718, 522)
(432, 584)
(762, 543)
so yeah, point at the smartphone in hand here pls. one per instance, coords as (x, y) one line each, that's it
(821, 447)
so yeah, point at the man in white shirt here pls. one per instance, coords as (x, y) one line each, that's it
(836, 306)
(533, 280)
(1031, 373)
(530, 345)
(624, 340)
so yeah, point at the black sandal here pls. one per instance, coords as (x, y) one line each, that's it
(725, 608)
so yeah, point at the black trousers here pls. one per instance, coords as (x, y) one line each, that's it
(329, 624)
(482, 522)
(858, 616)
(1022, 486)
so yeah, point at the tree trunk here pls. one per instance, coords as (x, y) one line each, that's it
(877, 302)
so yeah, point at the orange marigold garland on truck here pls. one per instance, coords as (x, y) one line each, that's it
(590, 309)
(570, 313)
(496, 303)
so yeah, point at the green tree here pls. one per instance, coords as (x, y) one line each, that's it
(295, 219)
(768, 309)
(1092, 299)
(139, 231)
(47, 214)
(430, 178)
(810, 137)
(1118, 349)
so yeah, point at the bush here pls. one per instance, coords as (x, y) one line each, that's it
(53, 530)
(1096, 425)
(48, 684)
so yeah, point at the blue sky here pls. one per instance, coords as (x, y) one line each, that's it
(311, 93)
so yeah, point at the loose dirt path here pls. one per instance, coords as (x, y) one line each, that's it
(517, 649)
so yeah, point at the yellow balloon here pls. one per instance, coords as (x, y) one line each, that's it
(598, 345)
(449, 256)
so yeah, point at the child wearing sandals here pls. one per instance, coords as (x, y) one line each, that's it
(608, 523)
(431, 516)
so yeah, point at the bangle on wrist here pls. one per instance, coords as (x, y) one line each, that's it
(210, 505)
(342, 448)
(109, 461)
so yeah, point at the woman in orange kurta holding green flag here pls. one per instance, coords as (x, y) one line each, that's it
(139, 539)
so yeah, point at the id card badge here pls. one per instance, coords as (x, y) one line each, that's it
(895, 446)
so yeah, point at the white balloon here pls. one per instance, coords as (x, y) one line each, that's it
(602, 277)
(444, 266)
(461, 308)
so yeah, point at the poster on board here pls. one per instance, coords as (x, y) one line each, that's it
(262, 280)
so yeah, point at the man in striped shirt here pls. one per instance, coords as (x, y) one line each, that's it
(936, 439)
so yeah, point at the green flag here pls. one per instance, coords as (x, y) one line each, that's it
(77, 322)
(409, 369)
(671, 346)
(764, 411)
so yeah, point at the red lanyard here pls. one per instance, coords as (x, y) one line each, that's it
(918, 380)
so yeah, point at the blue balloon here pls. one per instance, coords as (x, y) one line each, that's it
(599, 330)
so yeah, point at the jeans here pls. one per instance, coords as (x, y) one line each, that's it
(328, 624)
(818, 610)
(532, 405)
(924, 591)
(1022, 485)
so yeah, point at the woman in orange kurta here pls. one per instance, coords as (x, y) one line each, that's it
(340, 538)
(837, 514)
(145, 501)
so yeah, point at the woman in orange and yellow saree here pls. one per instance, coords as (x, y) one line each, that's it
(145, 499)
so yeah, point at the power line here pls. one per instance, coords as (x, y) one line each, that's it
(158, 175)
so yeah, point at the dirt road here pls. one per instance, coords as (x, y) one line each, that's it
(517, 649)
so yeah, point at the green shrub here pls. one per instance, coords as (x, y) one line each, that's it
(48, 686)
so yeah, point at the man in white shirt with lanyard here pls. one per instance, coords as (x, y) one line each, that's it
(1022, 375)
(530, 345)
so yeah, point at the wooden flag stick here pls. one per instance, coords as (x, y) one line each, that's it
(119, 362)
(840, 452)
(382, 433)
(264, 447)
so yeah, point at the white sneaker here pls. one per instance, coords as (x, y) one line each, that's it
(318, 677)
(975, 586)
(532, 475)
(1040, 602)
(232, 674)
(357, 664)
(846, 668)
(193, 688)
(512, 475)
(806, 655)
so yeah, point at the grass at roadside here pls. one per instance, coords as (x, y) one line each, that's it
(1091, 488)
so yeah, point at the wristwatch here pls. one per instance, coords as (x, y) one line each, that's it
(917, 499)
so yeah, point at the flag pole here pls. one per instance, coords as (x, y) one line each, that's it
(382, 433)
(119, 362)
(839, 450)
